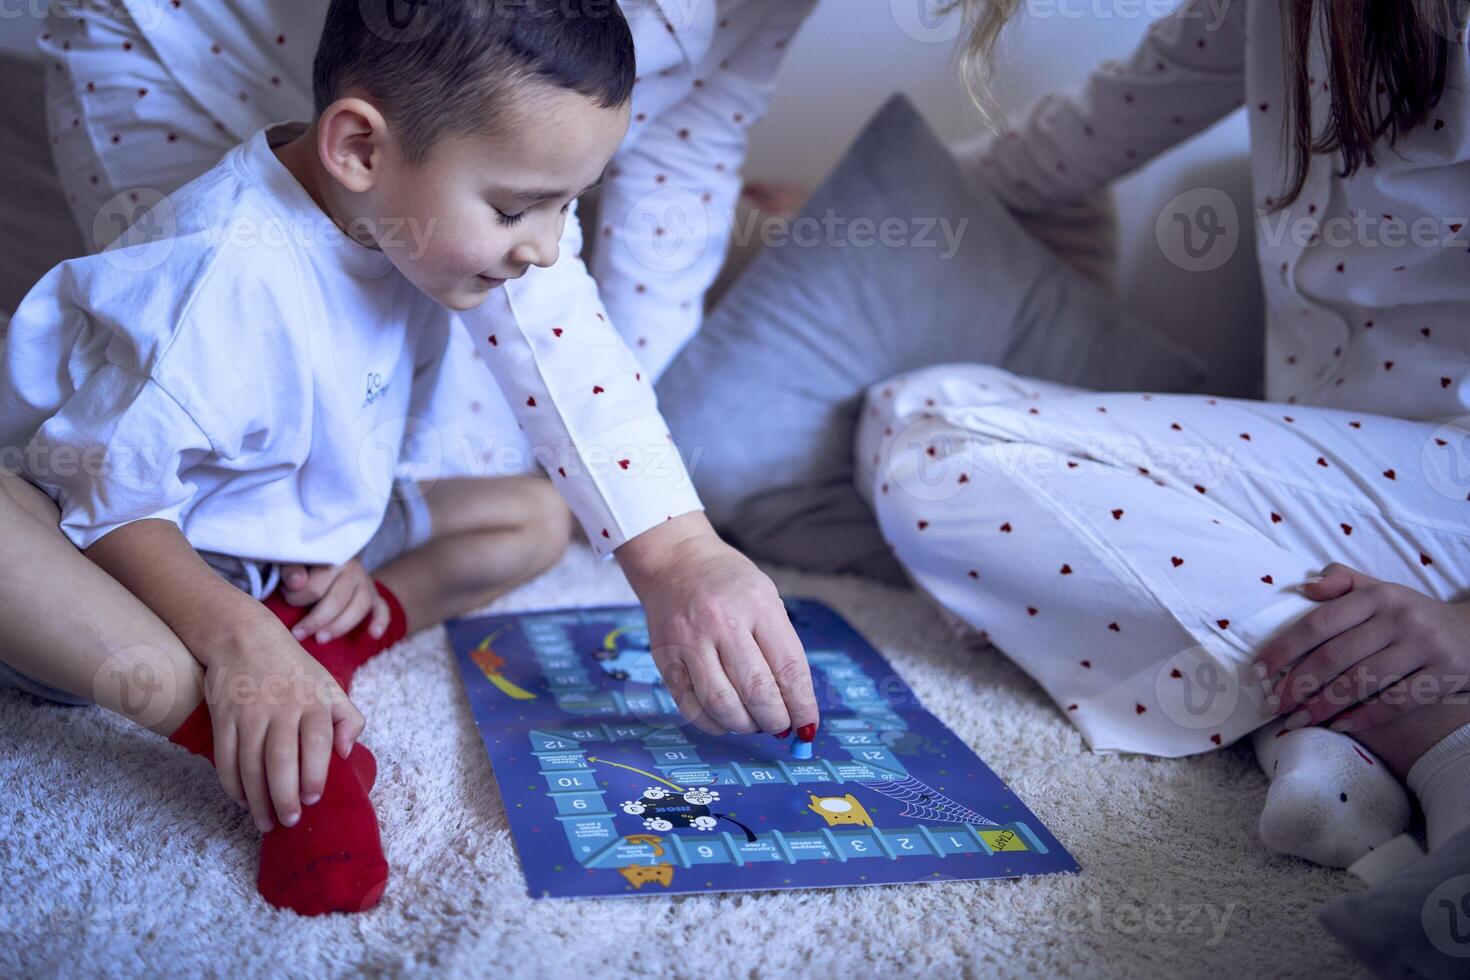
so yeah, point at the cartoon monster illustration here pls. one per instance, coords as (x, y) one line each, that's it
(840, 810)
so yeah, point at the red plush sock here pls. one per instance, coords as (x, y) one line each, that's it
(343, 655)
(332, 860)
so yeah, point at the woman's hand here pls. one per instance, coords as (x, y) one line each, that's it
(1373, 651)
(343, 595)
(718, 631)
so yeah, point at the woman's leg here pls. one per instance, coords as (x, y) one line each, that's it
(1115, 543)
(1132, 553)
(68, 624)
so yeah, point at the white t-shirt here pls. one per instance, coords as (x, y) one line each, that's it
(234, 364)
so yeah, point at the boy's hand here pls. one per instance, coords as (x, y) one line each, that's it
(277, 715)
(718, 631)
(1372, 651)
(343, 595)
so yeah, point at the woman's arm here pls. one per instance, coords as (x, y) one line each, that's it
(1186, 74)
(670, 196)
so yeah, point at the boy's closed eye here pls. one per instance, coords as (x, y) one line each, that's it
(509, 217)
(511, 220)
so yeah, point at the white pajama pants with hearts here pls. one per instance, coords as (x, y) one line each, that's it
(1132, 552)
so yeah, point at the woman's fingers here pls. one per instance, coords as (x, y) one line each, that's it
(717, 700)
(680, 682)
(1409, 693)
(746, 669)
(786, 658)
(1372, 674)
(252, 773)
(283, 768)
(1314, 673)
(316, 753)
(1310, 631)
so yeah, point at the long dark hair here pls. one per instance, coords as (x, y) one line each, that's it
(1387, 62)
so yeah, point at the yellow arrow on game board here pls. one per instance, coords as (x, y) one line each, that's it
(491, 663)
(593, 758)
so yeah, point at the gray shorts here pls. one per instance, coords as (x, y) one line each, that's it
(406, 525)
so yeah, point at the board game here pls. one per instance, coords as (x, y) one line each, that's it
(610, 793)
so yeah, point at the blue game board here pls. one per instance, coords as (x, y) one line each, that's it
(610, 793)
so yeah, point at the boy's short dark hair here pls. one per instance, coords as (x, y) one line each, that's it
(440, 67)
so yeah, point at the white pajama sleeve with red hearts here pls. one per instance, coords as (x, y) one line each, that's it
(585, 404)
(1186, 74)
(671, 191)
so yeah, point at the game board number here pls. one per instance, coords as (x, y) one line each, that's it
(565, 781)
(859, 846)
(874, 755)
(579, 804)
(906, 844)
(705, 852)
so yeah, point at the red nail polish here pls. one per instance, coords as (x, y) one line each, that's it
(783, 734)
(807, 732)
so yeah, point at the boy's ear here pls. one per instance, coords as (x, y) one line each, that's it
(351, 139)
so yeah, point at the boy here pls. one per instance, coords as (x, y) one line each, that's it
(208, 403)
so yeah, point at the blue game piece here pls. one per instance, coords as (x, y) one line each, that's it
(800, 749)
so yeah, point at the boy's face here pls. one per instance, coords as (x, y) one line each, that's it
(479, 210)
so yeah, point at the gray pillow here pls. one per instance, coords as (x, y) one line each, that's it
(1415, 925)
(763, 402)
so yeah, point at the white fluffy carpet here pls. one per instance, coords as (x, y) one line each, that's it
(121, 856)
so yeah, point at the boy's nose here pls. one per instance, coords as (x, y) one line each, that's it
(540, 251)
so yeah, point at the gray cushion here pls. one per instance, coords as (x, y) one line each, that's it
(763, 402)
(1416, 925)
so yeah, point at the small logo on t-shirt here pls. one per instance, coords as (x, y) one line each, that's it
(376, 388)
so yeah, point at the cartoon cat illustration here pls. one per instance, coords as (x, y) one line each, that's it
(640, 874)
(840, 810)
